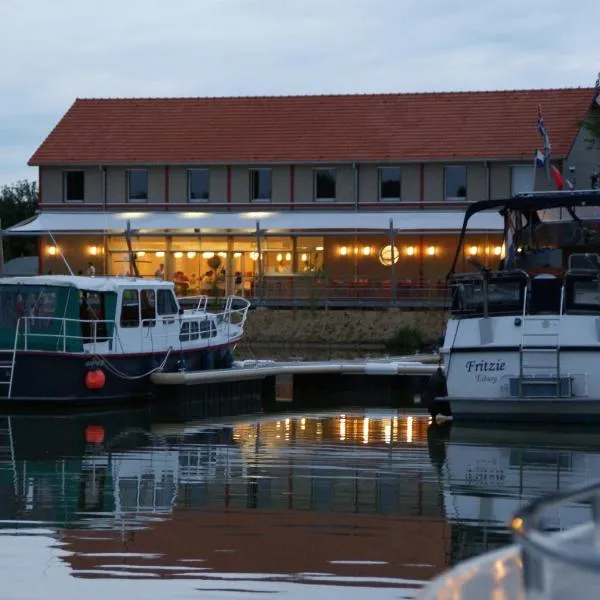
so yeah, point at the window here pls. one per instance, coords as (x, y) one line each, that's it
(73, 186)
(189, 331)
(521, 179)
(389, 183)
(198, 185)
(148, 306)
(455, 183)
(324, 184)
(260, 184)
(137, 185)
(167, 305)
(130, 309)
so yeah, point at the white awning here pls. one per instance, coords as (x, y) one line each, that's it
(270, 222)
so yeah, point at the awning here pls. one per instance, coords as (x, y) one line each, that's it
(240, 223)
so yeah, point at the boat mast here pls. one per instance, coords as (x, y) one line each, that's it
(132, 257)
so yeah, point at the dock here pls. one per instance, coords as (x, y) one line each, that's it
(423, 365)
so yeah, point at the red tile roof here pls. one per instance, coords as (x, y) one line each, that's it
(378, 127)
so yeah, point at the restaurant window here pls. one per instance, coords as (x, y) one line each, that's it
(324, 184)
(73, 186)
(455, 183)
(309, 250)
(137, 185)
(130, 309)
(521, 179)
(198, 185)
(389, 183)
(260, 185)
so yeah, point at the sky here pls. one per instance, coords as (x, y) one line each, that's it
(52, 52)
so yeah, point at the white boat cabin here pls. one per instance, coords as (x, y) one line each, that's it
(110, 315)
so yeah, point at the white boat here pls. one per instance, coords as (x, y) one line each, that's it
(66, 338)
(523, 338)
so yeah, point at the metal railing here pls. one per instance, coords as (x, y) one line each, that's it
(354, 292)
(564, 565)
(61, 334)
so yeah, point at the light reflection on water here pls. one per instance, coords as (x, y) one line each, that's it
(348, 503)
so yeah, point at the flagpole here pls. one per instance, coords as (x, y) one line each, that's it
(534, 171)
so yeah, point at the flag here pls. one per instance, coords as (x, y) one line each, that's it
(540, 159)
(544, 133)
(559, 180)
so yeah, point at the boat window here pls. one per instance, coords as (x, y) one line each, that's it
(130, 309)
(148, 307)
(505, 294)
(189, 331)
(582, 292)
(167, 305)
(92, 315)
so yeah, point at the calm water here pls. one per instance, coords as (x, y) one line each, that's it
(336, 504)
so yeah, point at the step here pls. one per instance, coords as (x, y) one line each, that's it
(544, 349)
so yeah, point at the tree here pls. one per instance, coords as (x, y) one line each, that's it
(17, 203)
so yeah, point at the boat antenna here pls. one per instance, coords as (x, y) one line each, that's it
(128, 233)
(61, 253)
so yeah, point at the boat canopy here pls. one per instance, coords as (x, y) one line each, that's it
(91, 284)
(527, 205)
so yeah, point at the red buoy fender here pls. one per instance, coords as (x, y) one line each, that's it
(95, 380)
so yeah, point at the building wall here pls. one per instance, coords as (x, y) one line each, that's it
(170, 184)
(586, 160)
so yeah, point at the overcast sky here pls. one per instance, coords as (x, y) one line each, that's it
(53, 51)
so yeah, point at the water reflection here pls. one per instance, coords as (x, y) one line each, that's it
(295, 504)
(259, 504)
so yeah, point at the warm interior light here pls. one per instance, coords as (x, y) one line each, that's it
(237, 254)
(93, 250)
(254, 255)
(288, 256)
(208, 254)
(410, 251)
(355, 249)
(191, 254)
(498, 250)
(304, 257)
(319, 248)
(223, 254)
(366, 250)
(159, 254)
(52, 250)
(385, 255)
(178, 254)
(141, 253)
(343, 251)
(473, 250)
(279, 257)
(431, 251)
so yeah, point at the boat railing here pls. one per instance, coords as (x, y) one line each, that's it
(560, 566)
(61, 334)
(194, 303)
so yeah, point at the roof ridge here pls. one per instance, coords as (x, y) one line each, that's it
(334, 95)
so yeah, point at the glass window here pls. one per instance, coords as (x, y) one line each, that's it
(260, 184)
(189, 331)
(73, 186)
(148, 308)
(130, 309)
(521, 179)
(389, 183)
(455, 183)
(167, 305)
(324, 184)
(137, 185)
(198, 185)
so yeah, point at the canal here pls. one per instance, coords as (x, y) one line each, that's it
(349, 493)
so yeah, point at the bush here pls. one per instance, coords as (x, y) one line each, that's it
(406, 340)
